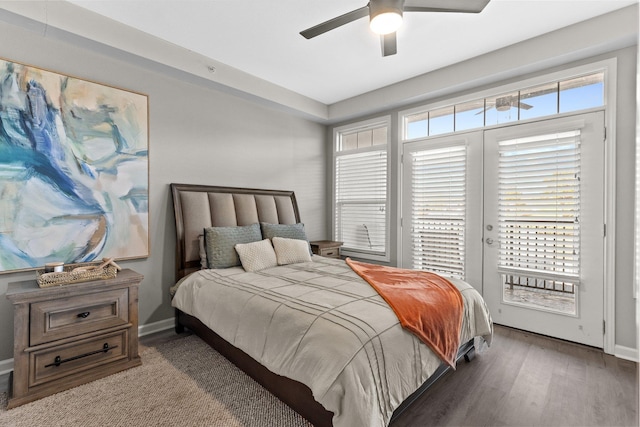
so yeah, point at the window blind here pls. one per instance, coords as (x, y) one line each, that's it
(438, 205)
(361, 201)
(539, 207)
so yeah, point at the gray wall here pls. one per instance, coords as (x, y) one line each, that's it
(197, 135)
(626, 329)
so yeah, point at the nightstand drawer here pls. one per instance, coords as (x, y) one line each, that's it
(330, 252)
(326, 248)
(57, 362)
(68, 317)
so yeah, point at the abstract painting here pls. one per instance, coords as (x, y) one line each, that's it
(74, 170)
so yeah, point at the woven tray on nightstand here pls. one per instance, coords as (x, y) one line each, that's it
(68, 276)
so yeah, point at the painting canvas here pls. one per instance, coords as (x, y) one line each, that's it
(73, 170)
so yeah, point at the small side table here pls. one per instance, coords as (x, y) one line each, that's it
(69, 335)
(326, 248)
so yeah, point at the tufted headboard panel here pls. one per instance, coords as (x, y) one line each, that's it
(199, 206)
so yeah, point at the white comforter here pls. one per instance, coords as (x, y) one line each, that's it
(319, 323)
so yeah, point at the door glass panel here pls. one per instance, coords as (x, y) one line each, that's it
(441, 206)
(540, 293)
(438, 209)
(539, 220)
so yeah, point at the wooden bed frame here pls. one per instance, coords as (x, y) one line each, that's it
(295, 394)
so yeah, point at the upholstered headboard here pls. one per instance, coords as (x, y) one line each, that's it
(199, 206)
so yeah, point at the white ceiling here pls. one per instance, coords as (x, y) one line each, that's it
(262, 37)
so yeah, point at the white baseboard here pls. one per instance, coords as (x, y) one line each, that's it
(626, 353)
(152, 328)
(6, 366)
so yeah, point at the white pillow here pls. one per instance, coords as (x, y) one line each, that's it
(291, 251)
(256, 256)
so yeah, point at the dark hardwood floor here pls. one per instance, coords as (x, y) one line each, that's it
(525, 379)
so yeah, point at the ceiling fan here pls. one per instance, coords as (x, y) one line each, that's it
(385, 17)
(504, 103)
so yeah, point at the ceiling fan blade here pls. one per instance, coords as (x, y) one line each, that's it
(335, 22)
(524, 106)
(456, 6)
(389, 45)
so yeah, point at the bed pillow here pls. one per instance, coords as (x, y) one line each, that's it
(220, 243)
(289, 231)
(291, 251)
(257, 255)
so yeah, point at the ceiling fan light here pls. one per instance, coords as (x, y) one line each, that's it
(386, 23)
(504, 103)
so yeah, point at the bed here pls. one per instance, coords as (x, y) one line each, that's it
(313, 333)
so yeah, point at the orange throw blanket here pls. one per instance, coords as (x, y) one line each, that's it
(426, 304)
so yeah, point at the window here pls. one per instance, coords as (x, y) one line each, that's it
(556, 97)
(539, 211)
(539, 101)
(361, 201)
(582, 92)
(469, 115)
(416, 125)
(441, 121)
(501, 109)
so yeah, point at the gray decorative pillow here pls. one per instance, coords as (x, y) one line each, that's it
(257, 256)
(290, 251)
(220, 243)
(288, 231)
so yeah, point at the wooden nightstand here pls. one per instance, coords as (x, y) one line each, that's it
(69, 335)
(326, 248)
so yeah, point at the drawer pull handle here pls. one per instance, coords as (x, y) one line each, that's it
(84, 315)
(59, 361)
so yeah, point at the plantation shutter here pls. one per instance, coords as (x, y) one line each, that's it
(361, 200)
(539, 208)
(438, 188)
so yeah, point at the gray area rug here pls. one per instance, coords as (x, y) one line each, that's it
(181, 382)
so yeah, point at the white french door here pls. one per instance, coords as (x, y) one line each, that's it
(441, 204)
(544, 227)
(518, 212)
